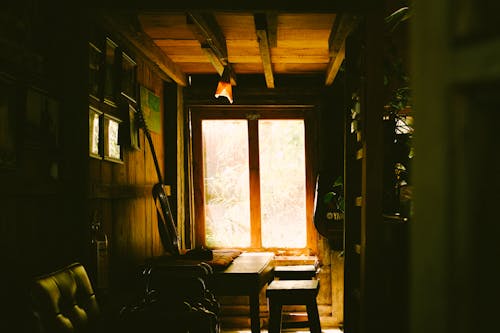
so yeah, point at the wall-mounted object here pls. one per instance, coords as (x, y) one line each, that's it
(95, 71)
(111, 131)
(150, 107)
(133, 128)
(95, 125)
(110, 70)
(128, 77)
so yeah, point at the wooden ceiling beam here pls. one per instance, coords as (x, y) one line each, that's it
(342, 27)
(334, 65)
(212, 40)
(298, 6)
(127, 29)
(265, 51)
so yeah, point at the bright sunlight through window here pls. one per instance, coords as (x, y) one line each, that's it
(227, 183)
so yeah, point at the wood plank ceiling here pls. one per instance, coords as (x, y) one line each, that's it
(266, 43)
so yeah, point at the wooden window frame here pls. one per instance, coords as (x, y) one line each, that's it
(253, 114)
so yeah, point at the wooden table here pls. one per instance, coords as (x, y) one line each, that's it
(246, 276)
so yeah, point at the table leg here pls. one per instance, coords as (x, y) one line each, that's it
(274, 316)
(254, 312)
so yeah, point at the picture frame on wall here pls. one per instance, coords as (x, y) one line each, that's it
(134, 128)
(95, 71)
(150, 106)
(110, 72)
(112, 148)
(95, 133)
(128, 78)
(8, 124)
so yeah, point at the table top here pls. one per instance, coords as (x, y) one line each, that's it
(246, 275)
(249, 263)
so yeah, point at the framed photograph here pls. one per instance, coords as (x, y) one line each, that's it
(150, 106)
(8, 124)
(110, 73)
(95, 133)
(128, 77)
(112, 147)
(134, 128)
(95, 71)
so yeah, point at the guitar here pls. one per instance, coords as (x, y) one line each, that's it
(166, 224)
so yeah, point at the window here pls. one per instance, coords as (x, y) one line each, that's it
(252, 188)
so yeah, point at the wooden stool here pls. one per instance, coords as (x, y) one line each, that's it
(295, 272)
(293, 292)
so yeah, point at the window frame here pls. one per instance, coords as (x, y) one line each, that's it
(252, 114)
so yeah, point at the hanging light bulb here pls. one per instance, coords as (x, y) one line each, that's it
(224, 87)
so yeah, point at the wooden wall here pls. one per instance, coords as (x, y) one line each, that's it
(50, 195)
(41, 192)
(120, 195)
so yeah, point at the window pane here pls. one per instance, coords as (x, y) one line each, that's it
(282, 183)
(226, 178)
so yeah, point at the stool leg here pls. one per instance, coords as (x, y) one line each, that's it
(274, 316)
(313, 317)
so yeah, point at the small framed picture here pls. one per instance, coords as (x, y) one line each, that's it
(95, 71)
(110, 73)
(128, 77)
(112, 147)
(134, 128)
(95, 133)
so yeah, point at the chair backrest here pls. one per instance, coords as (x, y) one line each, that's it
(64, 301)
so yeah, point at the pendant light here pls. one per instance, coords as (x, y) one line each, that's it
(224, 87)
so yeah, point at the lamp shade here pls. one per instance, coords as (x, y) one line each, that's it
(224, 86)
(224, 89)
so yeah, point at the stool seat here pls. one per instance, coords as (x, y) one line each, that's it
(293, 292)
(295, 272)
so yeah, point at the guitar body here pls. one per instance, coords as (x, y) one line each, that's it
(166, 224)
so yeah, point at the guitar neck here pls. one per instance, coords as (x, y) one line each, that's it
(155, 159)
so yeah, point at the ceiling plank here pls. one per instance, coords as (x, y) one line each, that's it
(212, 41)
(265, 51)
(132, 36)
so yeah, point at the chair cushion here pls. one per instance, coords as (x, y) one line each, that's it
(65, 300)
